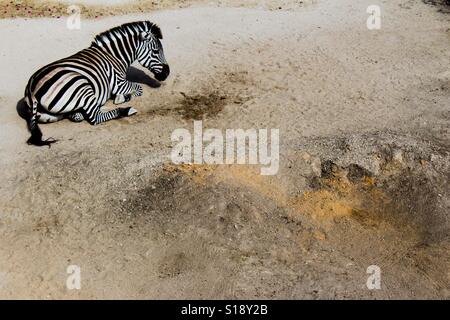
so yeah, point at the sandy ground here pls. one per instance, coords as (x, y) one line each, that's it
(97, 9)
(364, 172)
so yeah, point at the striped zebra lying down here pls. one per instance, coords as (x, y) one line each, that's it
(78, 86)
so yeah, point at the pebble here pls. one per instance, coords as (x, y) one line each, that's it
(434, 158)
(398, 156)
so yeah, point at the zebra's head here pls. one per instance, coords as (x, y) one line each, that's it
(151, 53)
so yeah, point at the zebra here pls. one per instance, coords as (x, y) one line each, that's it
(78, 86)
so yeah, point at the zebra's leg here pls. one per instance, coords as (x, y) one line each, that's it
(99, 116)
(122, 98)
(75, 117)
(94, 115)
(126, 90)
(48, 118)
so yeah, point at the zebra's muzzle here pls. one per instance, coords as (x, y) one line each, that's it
(161, 76)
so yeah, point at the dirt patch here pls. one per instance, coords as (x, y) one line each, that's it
(444, 5)
(173, 265)
(390, 186)
(348, 211)
(341, 192)
(228, 89)
(198, 106)
(56, 9)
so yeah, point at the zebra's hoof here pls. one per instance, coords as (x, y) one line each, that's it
(132, 111)
(126, 112)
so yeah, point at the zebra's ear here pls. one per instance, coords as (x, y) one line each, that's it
(145, 36)
(156, 30)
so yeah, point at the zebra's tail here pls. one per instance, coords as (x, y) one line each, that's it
(32, 123)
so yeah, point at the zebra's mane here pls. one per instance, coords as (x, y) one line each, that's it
(137, 26)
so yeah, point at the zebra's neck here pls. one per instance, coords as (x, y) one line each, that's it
(121, 45)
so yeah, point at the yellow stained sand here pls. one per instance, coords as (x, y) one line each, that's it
(337, 197)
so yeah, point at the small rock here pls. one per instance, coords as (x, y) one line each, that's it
(306, 156)
(328, 169)
(397, 156)
(316, 166)
(356, 172)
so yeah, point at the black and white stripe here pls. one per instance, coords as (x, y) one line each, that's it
(78, 86)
